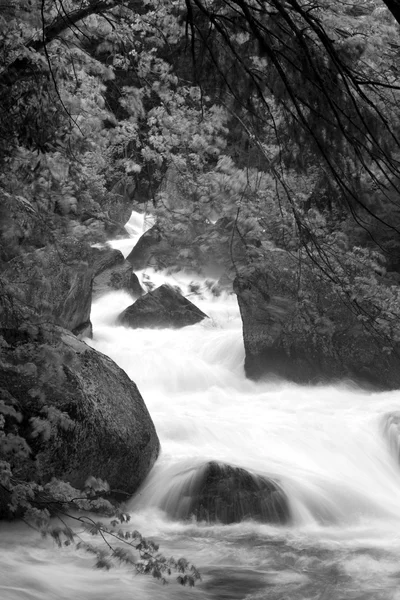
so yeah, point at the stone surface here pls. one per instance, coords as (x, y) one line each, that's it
(104, 258)
(112, 435)
(218, 492)
(142, 253)
(119, 277)
(162, 307)
(307, 340)
(135, 286)
(53, 284)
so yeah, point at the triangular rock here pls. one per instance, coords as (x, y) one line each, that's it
(163, 307)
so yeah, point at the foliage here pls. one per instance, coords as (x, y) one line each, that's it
(51, 506)
(257, 130)
(273, 115)
(294, 92)
(29, 423)
(150, 560)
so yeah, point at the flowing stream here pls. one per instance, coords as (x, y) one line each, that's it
(325, 445)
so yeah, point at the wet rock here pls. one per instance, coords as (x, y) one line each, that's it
(85, 330)
(162, 307)
(105, 258)
(308, 338)
(119, 277)
(218, 492)
(110, 271)
(135, 285)
(265, 308)
(53, 284)
(81, 414)
(142, 253)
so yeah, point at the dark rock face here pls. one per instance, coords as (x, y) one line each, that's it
(265, 308)
(53, 284)
(135, 286)
(109, 433)
(163, 307)
(323, 343)
(146, 247)
(105, 258)
(110, 271)
(84, 331)
(119, 277)
(218, 492)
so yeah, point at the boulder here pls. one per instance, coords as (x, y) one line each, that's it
(142, 253)
(160, 308)
(218, 492)
(104, 258)
(53, 284)
(119, 277)
(81, 414)
(265, 307)
(107, 261)
(307, 336)
(199, 244)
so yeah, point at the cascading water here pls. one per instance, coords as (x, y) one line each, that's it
(327, 447)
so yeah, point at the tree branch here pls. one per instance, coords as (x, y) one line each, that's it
(13, 71)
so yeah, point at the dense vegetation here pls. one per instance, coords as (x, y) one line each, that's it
(280, 116)
(245, 126)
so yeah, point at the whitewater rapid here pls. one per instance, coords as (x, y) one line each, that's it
(325, 445)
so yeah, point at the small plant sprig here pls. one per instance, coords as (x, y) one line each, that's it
(120, 546)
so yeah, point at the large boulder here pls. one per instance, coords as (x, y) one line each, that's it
(307, 335)
(163, 307)
(218, 492)
(52, 284)
(81, 415)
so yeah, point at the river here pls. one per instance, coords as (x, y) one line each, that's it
(324, 444)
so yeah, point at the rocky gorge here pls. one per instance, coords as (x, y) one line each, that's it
(70, 412)
(199, 299)
(45, 367)
(81, 415)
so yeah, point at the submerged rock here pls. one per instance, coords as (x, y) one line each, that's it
(162, 307)
(218, 492)
(81, 414)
